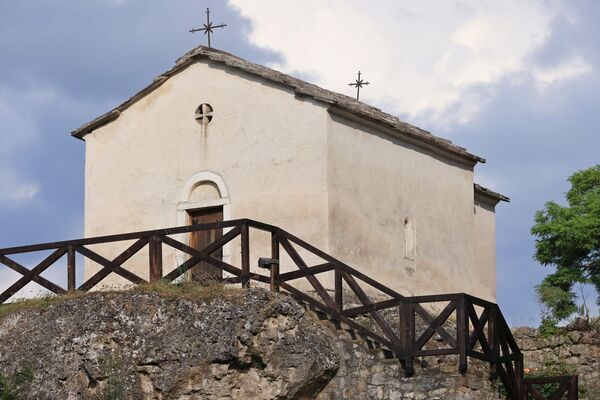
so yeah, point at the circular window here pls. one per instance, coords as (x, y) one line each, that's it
(204, 113)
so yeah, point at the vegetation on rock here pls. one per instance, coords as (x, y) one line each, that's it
(13, 387)
(184, 290)
(552, 368)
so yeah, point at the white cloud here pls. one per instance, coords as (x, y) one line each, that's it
(16, 190)
(17, 130)
(25, 191)
(569, 69)
(422, 58)
(9, 277)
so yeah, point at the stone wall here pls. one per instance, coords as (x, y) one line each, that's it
(365, 374)
(574, 352)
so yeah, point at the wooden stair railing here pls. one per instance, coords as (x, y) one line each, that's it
(409, 327)
(567, 385)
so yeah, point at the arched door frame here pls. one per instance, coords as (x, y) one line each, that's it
(185, 204)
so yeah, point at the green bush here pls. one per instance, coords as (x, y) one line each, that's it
(550, 369)
(13, 387)
(548, 327)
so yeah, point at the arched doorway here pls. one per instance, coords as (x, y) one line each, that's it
(204, 199)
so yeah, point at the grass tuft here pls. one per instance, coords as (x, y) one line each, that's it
(41, 303)
(188, 290)
(13, 387)
(204, 291)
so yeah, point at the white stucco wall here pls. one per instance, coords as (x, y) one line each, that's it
(267, 155)
(268, 147)
(375, 184)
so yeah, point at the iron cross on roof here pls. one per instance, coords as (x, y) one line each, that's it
(358, 83)
(208, 26)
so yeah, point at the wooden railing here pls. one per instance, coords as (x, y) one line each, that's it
(466, 326)
(565, 386)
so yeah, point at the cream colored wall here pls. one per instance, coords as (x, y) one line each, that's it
(485, 251)
(375, 183)
(268, 147)
(341, 186)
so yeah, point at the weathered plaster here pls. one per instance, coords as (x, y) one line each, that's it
(343, 186)
(374, 183)
(138, 165)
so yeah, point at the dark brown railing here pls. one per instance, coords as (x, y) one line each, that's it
(565, 385)
(466, 326)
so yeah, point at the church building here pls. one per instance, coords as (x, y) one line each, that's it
(217, 137)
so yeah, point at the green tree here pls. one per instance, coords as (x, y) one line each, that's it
(568, 238)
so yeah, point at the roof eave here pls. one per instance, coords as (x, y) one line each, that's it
(104, 119)
(489, 195)
(420, 138)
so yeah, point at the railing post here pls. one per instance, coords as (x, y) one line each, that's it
(274, 277)
(275, 267)
(524, 391)
(407, 335)
(519, 375)
(573, 392)
(245, 239)
(156, 269)
(71, 269)
(494, 342)
(462, 333)
(339, 299)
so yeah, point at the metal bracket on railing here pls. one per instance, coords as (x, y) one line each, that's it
(271, 264)
(267, 263)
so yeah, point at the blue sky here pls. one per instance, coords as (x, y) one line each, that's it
(514, 82)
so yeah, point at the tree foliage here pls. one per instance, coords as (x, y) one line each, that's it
(568, 238)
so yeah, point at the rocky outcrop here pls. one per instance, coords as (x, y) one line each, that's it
(569, 352)
(139, 345)
(241, 344)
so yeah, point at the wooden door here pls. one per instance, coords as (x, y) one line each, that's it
(204, 272)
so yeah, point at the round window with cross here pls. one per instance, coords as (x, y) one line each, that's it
(204, 113)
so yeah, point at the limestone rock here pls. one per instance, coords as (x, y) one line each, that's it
(249, 345)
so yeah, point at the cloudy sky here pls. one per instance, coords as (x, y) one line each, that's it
(517, 82)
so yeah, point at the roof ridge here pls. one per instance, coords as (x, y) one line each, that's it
(301, 87)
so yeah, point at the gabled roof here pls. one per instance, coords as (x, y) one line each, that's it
(301, 88)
